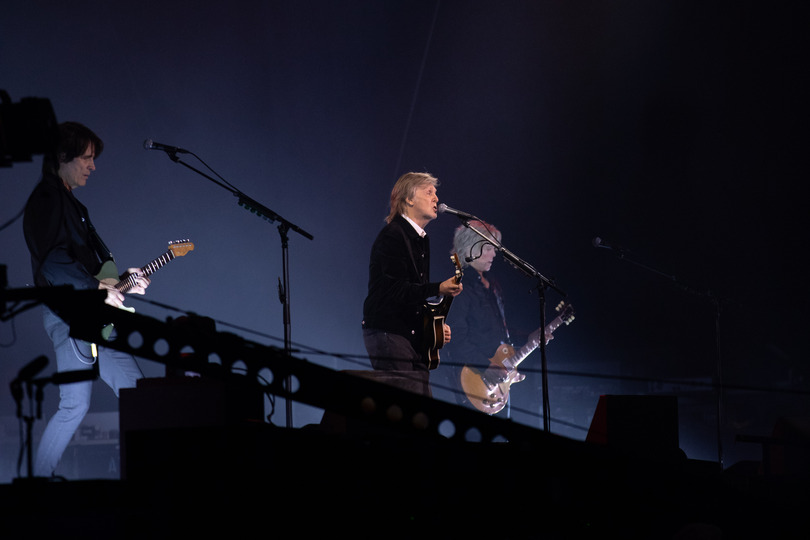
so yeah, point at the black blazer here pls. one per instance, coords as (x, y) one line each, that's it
(399, 281)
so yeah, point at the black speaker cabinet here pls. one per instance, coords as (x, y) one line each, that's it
(173, 404)
(639, 424)
(789, 450)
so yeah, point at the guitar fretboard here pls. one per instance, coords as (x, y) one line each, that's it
(128, 282)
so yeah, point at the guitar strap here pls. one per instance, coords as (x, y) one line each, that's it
(102, 251)
(499, 299)
(99, 246)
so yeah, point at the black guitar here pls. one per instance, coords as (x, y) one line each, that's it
(435, 315)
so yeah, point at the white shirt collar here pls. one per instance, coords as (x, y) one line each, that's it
(419, 230)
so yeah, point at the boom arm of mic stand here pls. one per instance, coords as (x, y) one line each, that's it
(516, 261)
(264, 212)
(528, 269)
(621, 254)
(246, 202)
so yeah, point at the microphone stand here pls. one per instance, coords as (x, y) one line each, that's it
(284, 284)
(36, 398)
(719, 408)
(543, 283)
(28, 419)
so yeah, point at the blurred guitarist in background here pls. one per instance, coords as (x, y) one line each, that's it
(399, 278)
(66, 250)
(477, 317)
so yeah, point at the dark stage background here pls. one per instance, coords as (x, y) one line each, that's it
(673, 129)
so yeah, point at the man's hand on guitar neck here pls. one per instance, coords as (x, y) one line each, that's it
(115, 297)
(140, 284)
(450, 287)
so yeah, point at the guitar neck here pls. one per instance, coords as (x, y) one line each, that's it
(128, 282)
(514, 361)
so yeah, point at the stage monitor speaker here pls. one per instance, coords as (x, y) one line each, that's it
(183, 403)
(639, 424)
(172, 402)
(789, 452)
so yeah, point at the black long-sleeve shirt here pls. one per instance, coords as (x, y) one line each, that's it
(64, 249)
(476, 318)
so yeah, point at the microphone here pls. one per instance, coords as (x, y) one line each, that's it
(598, 242)
(463, 215)
(149, 144)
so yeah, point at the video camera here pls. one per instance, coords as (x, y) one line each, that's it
(26, 128)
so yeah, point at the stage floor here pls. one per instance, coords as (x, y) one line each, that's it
(258, 479)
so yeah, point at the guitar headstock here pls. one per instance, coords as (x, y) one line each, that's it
(180, 247)
(457, 263)
(566, 312)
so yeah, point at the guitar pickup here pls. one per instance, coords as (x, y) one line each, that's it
(494, 375)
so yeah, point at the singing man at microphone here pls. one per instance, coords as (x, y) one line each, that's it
(66, 250)
(399, 278)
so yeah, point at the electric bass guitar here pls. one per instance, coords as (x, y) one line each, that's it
(434, 316)
(109, 273)
(491, 396)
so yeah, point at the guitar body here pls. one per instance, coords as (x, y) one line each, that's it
(107, 273)
(435, 314)
(490, 398)
(109, 276)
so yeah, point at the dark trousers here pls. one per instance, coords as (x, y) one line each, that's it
(391, 352)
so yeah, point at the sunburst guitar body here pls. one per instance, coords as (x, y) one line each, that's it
(491, 396)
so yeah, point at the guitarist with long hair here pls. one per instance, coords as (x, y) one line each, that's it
(66, 250)
(399, 279)
(481, 363)
(478, 319)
